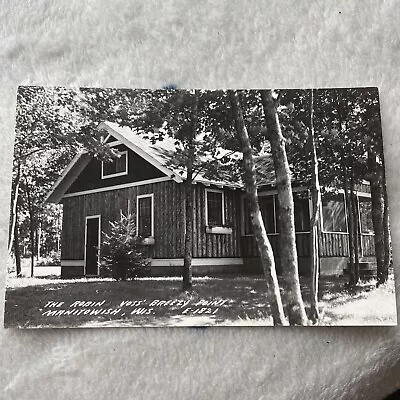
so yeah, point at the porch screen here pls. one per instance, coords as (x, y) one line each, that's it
(215, 208)
(144, 219)
(334, 213)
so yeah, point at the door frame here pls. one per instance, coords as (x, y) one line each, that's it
(98, 216)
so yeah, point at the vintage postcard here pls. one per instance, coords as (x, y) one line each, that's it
(198, 208)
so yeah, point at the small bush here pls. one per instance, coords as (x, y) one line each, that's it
(122, 251)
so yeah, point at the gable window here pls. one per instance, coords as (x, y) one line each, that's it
(145, 215)
(334, 213)
(116, 167)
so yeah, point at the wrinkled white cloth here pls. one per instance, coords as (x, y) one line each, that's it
(207, 44)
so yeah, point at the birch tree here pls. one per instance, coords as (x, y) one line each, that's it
(264, 246)
(289, 260)
(316, 212)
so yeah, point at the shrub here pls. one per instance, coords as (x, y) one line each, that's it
(122, 251)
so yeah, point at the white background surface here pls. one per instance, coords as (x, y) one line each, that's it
(207, 44)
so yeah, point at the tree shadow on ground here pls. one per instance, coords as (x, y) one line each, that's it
(244, 301)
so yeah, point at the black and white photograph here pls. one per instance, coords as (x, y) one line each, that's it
(172, 207)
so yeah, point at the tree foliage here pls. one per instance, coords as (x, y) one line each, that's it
(52, 125)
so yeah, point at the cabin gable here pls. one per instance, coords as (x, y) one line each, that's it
(95, 174)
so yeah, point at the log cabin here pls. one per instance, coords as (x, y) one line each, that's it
(141, 182)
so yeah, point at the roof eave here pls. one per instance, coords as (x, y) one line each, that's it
(70, 173)
(140, 152)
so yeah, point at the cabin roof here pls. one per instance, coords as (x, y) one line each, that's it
(160, 153)
(156, 154)
(265, 173)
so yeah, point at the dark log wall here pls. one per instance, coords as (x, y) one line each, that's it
(168, 220)
(217, 245)
(249, 245)
(168, 217)
(169, 225)
(331, 245)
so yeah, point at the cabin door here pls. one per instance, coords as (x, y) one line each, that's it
(92, 251)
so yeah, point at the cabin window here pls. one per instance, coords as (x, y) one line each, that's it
(365, 209)
(301, 212)
(334, 213)
(116, 167)
(215, 214)
(145, 215)
(248, 228)
(268, 207)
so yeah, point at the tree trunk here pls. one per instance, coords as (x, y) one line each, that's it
(187, 258)
(356, 231)
(315, 220)
(295, 305)
(386, 229)
(350, 219)
(17, 252)
(14, 209)
(39, 242)
(264, 246)
(378, 211)
(387, 238)
(31, 230)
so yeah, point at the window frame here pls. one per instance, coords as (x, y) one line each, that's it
(309, 209)
(274, 194)
(262, 194)
(122, 173)
(222, 206)
(143, 196)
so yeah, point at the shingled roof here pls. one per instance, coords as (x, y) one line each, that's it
(264, 170)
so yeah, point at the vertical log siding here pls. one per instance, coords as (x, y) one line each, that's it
(331, 245)
(168, 217)
(169, 225)
(249, 246)
(169, 220)
(209, 245)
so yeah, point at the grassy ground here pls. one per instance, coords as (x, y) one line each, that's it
(363, 305)
(237, 301)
